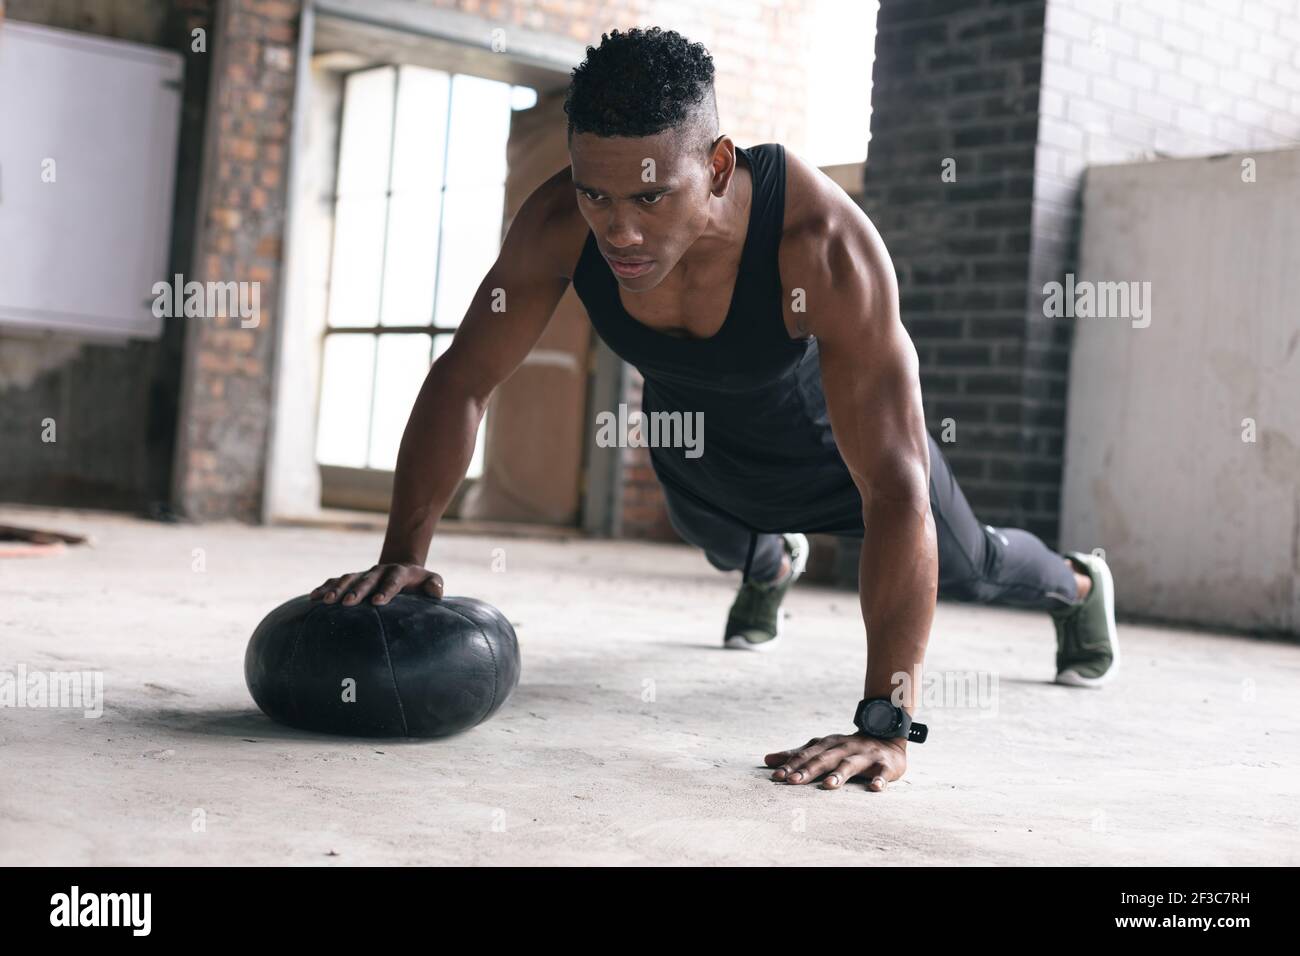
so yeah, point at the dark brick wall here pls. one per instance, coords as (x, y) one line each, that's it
(958, 82)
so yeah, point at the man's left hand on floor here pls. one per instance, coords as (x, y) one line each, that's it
(841, 758)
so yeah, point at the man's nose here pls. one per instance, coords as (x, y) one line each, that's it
(622, 232)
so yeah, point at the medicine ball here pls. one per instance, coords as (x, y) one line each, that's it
(414, 667)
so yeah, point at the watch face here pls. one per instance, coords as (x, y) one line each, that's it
(880, 717)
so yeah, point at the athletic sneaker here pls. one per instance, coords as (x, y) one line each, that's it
(1087, 643)
(754, 623)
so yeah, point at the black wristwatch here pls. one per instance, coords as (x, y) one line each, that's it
(878, 717)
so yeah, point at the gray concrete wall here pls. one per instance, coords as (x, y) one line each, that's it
(1182, 456)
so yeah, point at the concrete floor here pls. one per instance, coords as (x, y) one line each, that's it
(1189, 759)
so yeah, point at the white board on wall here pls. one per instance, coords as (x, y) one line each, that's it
(88, 130)
(1182, 452)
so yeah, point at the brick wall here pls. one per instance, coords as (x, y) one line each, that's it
(226, 397)
(1023, 95)
(759, 47)
(959, 82)
(644, 514)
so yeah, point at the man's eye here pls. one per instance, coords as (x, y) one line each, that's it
(651, 200)
(589, 195)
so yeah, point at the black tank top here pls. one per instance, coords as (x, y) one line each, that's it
(768, 460)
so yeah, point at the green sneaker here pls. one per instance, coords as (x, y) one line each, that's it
(754, 622)
(1087, 643)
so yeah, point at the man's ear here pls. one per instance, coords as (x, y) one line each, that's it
(719, 186)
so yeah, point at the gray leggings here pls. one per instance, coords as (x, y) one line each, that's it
(977, 562)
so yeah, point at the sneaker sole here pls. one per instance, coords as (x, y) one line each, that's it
(738, 642)
(1072, 677)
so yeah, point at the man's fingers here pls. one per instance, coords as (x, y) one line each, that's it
(389, 585)
(781, 760)
(792, 760)
(781, 756)
(324, 589)
(811, 769)
(844, 771)
(340, 588)
(877, 777)
(381, 584)
(358, 586)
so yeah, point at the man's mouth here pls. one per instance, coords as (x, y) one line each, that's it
(630, 268)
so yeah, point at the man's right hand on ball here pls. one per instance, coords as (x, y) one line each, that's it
(381, 584)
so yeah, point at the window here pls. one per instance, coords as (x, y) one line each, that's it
(417, 222)
(843, 42)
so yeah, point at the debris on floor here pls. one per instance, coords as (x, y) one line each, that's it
(16, 542)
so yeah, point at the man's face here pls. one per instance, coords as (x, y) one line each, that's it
(646, 199)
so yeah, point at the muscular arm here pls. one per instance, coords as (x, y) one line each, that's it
(869, 372)
(873, 395)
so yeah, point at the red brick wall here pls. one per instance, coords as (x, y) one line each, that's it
(644, 513)
(226, 393)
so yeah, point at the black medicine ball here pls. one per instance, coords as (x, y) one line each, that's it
(414, 667)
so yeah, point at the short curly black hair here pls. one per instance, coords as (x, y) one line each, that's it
(643, 82)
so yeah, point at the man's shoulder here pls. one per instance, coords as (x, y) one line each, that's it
(816, 207)
(831, 249)
(823, 228)
(552, 224)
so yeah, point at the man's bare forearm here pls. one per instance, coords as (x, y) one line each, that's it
(898, 582)
(431, 463)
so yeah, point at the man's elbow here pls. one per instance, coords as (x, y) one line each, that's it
(899, 481)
